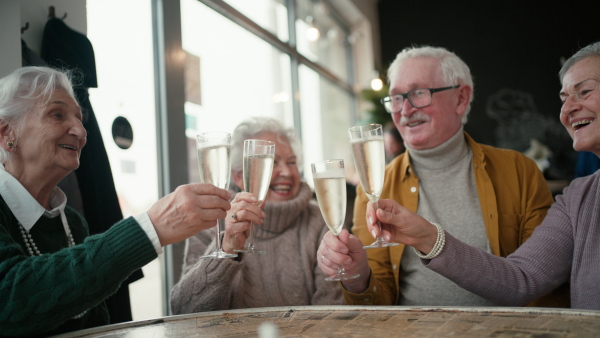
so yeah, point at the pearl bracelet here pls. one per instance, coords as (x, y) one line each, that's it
(437, 247)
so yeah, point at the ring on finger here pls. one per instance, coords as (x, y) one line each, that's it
(234, 216)
(322, 259)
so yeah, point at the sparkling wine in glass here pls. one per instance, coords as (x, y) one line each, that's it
(330, 185)
(369, 159)
(214, 162)
(258, 168)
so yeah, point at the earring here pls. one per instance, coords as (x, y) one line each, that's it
(10, 144)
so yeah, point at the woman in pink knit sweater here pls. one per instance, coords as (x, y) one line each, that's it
(289, 228)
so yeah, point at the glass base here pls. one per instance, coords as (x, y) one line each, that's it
(379, 243)
(341, 276)
(251, 249)
(219, 254)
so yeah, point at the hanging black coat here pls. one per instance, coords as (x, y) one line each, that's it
(64, 48)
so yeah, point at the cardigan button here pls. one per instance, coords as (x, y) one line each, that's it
(413, 189)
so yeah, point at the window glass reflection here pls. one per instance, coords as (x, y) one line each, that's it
(230, 76)
(326, 117)
(269, 14)
(320, 38)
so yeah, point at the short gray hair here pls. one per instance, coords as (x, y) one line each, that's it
(453, 68)
(585, 52)
(250, 128)
(25, 90)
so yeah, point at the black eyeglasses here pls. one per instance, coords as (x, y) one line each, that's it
(418, 98)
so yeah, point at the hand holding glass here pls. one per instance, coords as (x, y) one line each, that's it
(330, 185)
(369, 159)
(214, 162)
(258, 167)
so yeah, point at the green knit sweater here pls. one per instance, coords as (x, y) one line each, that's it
(40, 295)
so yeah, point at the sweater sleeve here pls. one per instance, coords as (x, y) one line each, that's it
(205, 284)
(538, 266)
(39, 293)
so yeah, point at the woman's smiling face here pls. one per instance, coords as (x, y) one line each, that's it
(52, 136)
(580, 95)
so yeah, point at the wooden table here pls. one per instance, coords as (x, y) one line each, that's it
(364, 321)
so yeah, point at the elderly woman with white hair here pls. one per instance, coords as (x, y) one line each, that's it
(54, 277)
(289, 229)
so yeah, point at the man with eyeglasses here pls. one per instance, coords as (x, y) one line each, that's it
(488, 197)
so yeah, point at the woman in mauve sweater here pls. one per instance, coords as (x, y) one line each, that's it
(289, 228)
(564, 248)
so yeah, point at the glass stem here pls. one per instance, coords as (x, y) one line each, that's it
(376, 205)
(250, 241)
(218, 232)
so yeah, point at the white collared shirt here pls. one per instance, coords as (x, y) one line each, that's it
(28, 211)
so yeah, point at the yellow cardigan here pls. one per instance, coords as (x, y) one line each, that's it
(514, 198)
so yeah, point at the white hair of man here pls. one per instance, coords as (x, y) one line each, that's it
(453, 68)
(26, 90)
(254, 126)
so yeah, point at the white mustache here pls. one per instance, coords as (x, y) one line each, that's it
(416, 117)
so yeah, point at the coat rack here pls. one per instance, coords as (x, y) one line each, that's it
(52, 13)
(24, 28)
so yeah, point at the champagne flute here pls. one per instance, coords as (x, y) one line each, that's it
(330, 185)
(214, 163)
(258, 168)
(369, 159)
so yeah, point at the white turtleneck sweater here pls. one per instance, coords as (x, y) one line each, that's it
(448, 196)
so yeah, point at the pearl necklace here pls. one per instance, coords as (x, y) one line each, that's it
(34, 251)
(30, 244)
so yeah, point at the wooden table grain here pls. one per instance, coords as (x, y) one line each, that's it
(364, 321)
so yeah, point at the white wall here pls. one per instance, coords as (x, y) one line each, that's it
(15, 14)
(10, 46)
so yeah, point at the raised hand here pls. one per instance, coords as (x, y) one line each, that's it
(348, 250)
(187, 210)
(401, 225)
(237, 228)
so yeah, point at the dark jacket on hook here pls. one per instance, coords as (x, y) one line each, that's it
(64, 48)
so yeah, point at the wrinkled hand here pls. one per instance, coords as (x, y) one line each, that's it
(401, 225)
(347, 251)
(237, 228)
(187, 210)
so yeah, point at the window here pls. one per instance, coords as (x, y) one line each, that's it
(241, 58)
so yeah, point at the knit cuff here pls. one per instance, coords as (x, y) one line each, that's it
(130, 245)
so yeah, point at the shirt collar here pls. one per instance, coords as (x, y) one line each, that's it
(25, 208)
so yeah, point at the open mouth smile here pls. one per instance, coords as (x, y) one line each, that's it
(281, 188)
(580, 124)
(66, 146)
(414, 124)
